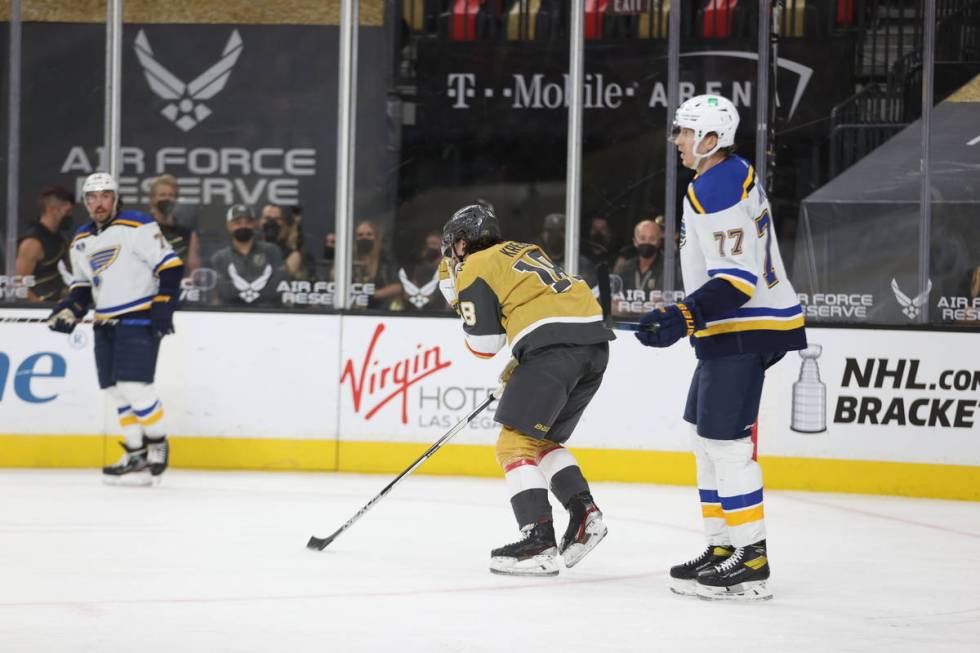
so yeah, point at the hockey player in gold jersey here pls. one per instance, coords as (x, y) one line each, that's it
(511, 293)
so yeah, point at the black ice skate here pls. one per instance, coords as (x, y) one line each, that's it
(683, 577)
(157, 455)
(534, 555)
(585, 529)
(743, 576)
(132, 468)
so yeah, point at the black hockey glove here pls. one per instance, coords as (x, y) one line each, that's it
(65, 316)
(162, 315)
(672, 323)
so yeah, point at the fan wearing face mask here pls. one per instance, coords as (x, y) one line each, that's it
(645, 270)
(249, 270)
(42, 250)
(372, 266)
(283, 229)
(163, 204)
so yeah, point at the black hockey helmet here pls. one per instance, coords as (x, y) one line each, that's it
(476, 224)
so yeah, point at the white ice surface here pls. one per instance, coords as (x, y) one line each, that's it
(215, 562)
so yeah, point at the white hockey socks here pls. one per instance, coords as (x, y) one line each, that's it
(739, 489)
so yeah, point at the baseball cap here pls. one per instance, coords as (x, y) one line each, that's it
(239, 211)
(554, 222)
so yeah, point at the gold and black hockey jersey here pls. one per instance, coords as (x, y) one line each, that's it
(512, 292)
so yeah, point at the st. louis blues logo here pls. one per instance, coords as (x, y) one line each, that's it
(101, 260)
(185, 108)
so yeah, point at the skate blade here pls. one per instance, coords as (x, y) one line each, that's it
(134, 479)
(540, 565)
(683, 587)
(752, 591)
(595, 531)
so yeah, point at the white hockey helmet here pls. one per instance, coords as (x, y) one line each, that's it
(99, 181)
(707, 114)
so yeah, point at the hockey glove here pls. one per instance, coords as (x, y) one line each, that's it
(65, 316)
(504, 377)
(672, 323)
(447, 283)
(162, 315)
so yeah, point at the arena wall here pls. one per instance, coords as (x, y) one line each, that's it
(885, 412)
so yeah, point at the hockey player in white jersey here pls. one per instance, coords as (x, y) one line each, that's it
(742, 316)
(126, 270)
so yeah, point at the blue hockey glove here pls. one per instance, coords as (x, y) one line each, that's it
(65, 316)
(162, 315)
(667, 325)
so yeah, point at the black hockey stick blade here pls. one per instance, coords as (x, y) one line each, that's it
(320, 543)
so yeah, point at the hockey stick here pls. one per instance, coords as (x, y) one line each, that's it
(605, 302)
(320, 543)
(44, 320)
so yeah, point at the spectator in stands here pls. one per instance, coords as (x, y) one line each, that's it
(644, 271)
(553, 243)
(599, 246)
(164, 192)
(42, 252)
(249, 270)
(373, 266)
(285, 231)
(420, 281)
(324, 267)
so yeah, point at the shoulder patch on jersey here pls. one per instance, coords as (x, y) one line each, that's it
(133, 219)
(84, 231)
(723, 186)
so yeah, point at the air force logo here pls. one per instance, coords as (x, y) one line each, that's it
(419, 297)
(911, 306)
(185, 108)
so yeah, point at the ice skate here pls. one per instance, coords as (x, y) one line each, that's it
(534, 555)
(743, 576)
(131, 469)
(585, 529)
(683, 577)
(157, 455)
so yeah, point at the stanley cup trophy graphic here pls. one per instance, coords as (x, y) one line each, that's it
(809, 395)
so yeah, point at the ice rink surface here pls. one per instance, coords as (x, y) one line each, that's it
(216, 561)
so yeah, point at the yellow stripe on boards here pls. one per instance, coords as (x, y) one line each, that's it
(617, 465)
